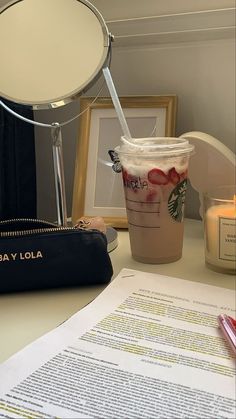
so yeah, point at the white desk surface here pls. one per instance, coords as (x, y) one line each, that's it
(27, 316)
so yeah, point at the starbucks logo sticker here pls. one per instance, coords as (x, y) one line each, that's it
(176, 201)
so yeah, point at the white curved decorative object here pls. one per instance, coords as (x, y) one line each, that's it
(213, 164)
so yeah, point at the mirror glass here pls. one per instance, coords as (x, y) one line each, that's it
(52, 50)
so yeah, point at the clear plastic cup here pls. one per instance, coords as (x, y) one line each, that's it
(154, 174)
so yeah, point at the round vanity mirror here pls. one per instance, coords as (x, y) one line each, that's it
(51, 50)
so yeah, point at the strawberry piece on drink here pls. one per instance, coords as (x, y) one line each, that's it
(174, 177)
(157, 177)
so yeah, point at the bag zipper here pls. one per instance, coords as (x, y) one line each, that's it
(34, 230)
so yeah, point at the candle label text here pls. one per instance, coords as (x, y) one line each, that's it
(227, 238)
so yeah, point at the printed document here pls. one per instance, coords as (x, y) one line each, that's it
(147, 347)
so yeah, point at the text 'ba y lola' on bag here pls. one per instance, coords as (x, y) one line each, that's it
(36, 254)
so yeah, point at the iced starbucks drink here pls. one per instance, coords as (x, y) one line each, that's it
(154, 174)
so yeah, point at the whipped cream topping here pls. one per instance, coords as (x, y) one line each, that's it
(145, 154)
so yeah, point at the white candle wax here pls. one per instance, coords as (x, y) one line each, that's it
(220, 236)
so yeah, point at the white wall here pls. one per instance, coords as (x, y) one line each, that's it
(200, 73)
(185, 47)
(113, 10)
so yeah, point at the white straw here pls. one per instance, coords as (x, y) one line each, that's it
(116, 103)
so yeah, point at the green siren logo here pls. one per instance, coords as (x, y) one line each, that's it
(176, 201)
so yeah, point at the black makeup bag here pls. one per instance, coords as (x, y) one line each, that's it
(36, 254)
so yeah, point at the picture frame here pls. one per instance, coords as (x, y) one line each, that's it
(98, 190)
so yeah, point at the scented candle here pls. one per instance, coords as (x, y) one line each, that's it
(220, 229)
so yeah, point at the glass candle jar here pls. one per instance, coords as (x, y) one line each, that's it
(219, 206)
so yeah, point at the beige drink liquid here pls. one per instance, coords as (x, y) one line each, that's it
(155, 182)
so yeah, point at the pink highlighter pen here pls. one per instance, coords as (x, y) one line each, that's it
(228, 327)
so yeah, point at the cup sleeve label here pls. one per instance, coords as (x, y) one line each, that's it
(176, 201)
